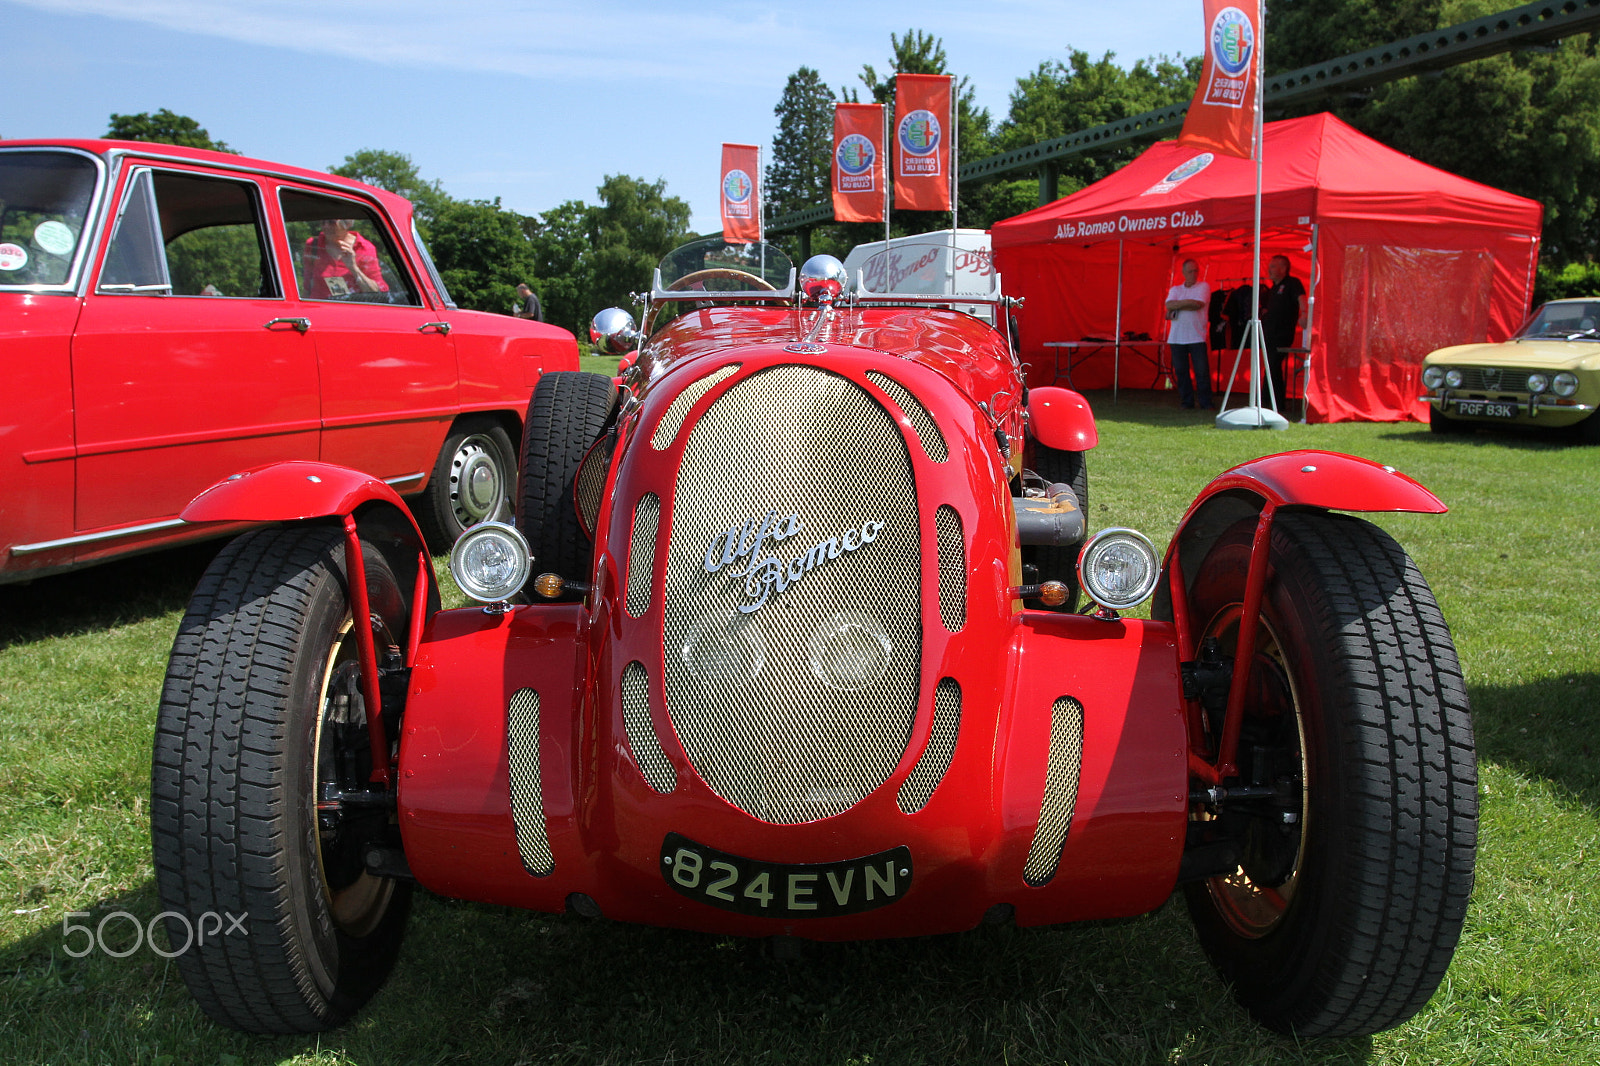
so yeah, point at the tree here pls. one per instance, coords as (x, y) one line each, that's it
(1527, 122)
(396, 172)
(163, 127)
(560, 239)
(802, 149)
(481, 252)
(634, 225)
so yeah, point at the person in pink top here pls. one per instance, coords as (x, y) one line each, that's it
(339, 262)
(1186, 336)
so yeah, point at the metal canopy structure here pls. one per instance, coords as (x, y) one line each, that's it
(1530, 25)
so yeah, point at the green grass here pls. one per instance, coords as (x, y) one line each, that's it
(1516, 566)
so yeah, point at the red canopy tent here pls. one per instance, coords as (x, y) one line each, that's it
(1399, 258)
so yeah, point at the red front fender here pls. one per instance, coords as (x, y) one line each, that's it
(289, 492)
(1061, 419)
(1324, 479)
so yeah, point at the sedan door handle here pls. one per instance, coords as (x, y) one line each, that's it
(300, 324)
(436, 327)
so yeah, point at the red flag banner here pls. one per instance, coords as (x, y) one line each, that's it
(858, 163)
(1222, 115)
(740, 195)
(923, 128)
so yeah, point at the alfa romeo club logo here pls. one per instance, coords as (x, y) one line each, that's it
(737, 186)
(856, 154)
(920, 132)
(1180, 174)
(1233, 41)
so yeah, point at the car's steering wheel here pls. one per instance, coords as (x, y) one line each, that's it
(700, 277)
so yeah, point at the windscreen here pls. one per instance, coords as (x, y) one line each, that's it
(1565, 320)
(44, 202)
(713, 265)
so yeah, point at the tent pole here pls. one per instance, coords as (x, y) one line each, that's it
(1116, 336)
(1305, 341)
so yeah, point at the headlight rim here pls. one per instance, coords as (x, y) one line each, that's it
(479, 593)
(1453, 377)
(1564, 384)
(1432, 377)
(1121, 534)
(1538, 382)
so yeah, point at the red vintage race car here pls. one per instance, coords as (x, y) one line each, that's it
(803, 662)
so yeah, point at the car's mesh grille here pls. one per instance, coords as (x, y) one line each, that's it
(1060, 791)
(928, 434)
(799, 709)
(591, 481)
(527, 803)
(641, 732)
(1495, 379)
(952, 568)
(678, 409)
(935, 760)
(642, 552)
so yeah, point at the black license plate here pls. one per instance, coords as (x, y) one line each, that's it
(1487, 408)
(785, 890)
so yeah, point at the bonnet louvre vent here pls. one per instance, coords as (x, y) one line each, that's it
(667, 429)
(928, 434)
(527, 801)
(642, 552)
(1060, 791)
(935, 760)
(952, 568)
(642, 737)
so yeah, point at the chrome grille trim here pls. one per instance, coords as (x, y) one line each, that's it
(935, 759)
(642, 739)
(590, 484)
(1060, 791)
(928, 434)
(952, 568)
(799, 710)
(527, 802)
(1504, 378)
(678, 409)
(642, 552)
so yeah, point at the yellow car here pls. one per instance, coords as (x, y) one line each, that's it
(1547, 376)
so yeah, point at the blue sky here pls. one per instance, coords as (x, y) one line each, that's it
(532, 102)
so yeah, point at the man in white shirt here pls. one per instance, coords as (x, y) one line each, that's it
(1186, 336)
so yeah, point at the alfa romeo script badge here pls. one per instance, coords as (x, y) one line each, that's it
(766, 575)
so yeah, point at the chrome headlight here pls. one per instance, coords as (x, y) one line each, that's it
(1432, 377)
(490, 562)
(1452, 377)
(1118, 568)
(1537, 383)
(1565, 384)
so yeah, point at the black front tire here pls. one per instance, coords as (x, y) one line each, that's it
(1439, 422)
(1352, 886)
(473, 480)
(566, 416)
(261, 708)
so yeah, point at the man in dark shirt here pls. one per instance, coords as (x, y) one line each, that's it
(528, 304)
(1284, 317)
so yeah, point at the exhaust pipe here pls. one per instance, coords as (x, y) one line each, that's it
(1053, 520)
